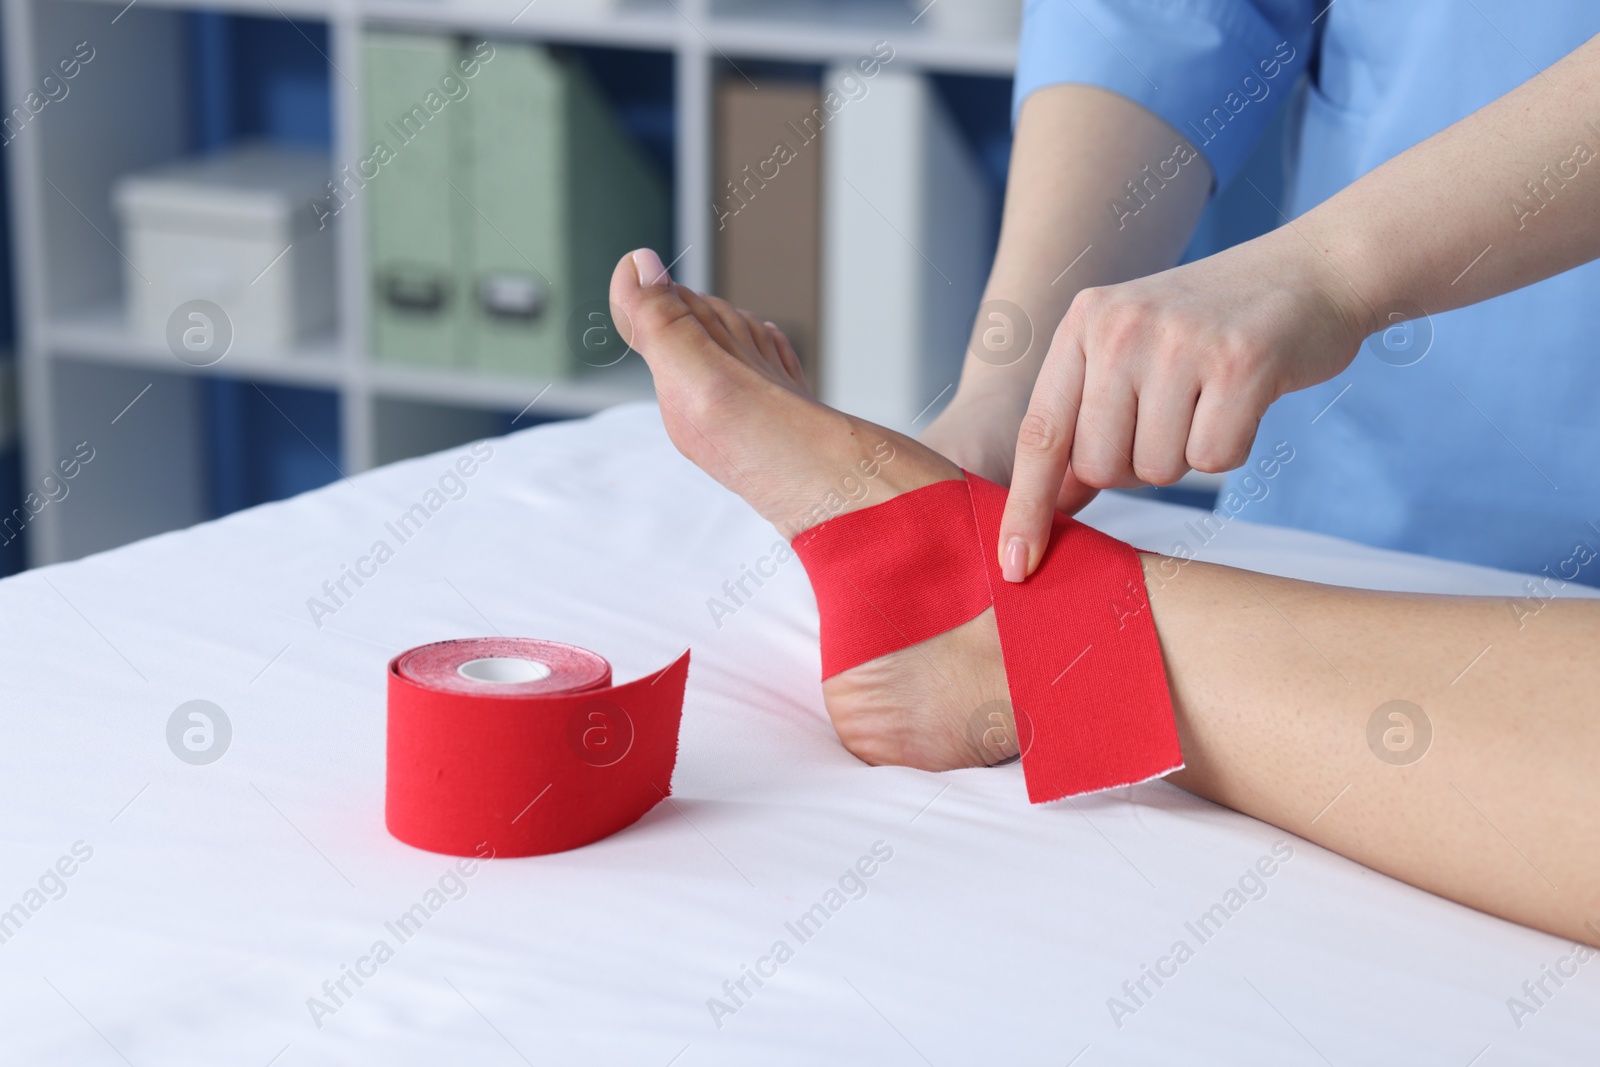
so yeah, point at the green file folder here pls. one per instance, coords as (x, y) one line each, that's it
(556, 192)
(413, 137)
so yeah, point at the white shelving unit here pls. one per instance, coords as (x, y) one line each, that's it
(81, 367)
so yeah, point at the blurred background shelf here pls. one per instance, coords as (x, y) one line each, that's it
(584, 394)
(826, 30)
(102, 333)
(629, 24)
(307, 9)
(174, 80)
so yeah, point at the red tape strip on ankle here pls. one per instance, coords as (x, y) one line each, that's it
(894, 574)
(1083, 663)
(1082, 659)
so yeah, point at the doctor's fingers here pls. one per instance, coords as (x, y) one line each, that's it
(1162, 434)
(1225, 424)
(1044, 445)
(1102, 443)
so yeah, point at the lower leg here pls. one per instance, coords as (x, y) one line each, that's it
(1275, 683)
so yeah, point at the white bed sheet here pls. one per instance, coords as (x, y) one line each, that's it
(219, 898)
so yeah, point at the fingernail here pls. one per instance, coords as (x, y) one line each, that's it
(1015, 566)
(651, 271)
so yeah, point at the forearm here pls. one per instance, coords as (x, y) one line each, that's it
(1077, 151)
(1274, 683)
(1504, 198)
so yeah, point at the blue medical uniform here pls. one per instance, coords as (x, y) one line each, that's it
(1480, 442)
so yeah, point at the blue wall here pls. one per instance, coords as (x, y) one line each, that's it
(263, 78)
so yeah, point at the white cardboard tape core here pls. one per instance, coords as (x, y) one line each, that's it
(504, 670)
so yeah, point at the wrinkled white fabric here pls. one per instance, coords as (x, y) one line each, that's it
(219, 898)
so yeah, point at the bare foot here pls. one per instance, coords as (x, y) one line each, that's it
(735, 403)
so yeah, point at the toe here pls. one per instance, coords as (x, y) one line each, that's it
(787, 357)
(737, 325)
(678, 333)
(764, 343)
(645, 312)
(661, 317)
(710, 319)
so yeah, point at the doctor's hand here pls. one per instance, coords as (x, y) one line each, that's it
(1172, 372)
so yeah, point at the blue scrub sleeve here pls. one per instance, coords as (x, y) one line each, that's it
(1215, 70)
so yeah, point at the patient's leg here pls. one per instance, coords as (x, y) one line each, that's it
(1275, 682)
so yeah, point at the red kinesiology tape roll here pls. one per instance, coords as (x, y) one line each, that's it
(518, 747)
(1082, 659)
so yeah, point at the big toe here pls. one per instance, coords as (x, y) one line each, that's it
(645, 304)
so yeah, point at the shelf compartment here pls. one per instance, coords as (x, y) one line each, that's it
(101, 334)
(585, 394)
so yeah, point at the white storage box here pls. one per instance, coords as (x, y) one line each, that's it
(969, 19)
(236, 229)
